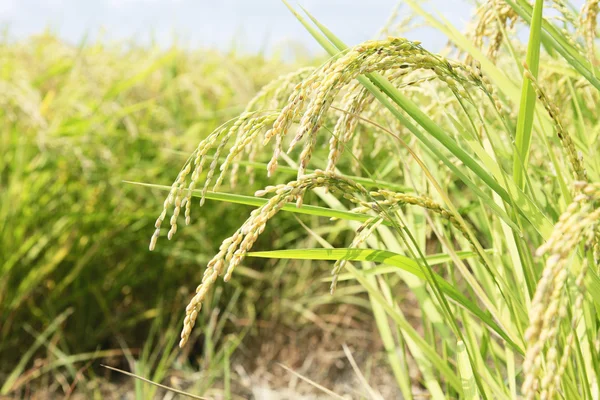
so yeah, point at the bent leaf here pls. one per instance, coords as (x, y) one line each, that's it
(390, 258)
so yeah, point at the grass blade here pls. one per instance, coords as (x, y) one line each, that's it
(467, 378)
(527, 108)
(258, 201)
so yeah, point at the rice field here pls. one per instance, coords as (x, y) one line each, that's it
(382, 222)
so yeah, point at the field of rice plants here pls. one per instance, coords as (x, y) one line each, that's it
(382, 222)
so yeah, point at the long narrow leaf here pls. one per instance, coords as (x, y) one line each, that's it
(386, 257)
(257, 202)
(527, 108)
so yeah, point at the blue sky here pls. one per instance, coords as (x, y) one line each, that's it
(253, 24)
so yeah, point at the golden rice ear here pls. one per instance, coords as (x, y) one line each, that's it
(245, 128)
(395, 58)
(354, 102)
(248, 134)
(589, 25)
(575, 158)
(233, 250)
(493, 18)
(549, 305)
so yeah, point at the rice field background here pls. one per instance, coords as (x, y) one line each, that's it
(381, 222)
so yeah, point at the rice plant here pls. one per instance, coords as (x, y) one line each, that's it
(450, 170)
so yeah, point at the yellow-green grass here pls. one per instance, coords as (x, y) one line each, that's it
(77, 282)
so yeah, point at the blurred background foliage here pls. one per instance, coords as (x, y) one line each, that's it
(77, 281)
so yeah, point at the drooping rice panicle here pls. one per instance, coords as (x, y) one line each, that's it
(248, 135)
(175, 198)
(234, 249)
(313, 97)
(575, 158)
(551, 381)
(566, 15)
(576, 225)
(589, 26)
(322, 87)
(357, 102)
(393, 199)
(245, 128)
(295, 106)
(493, 18)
